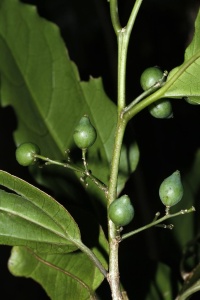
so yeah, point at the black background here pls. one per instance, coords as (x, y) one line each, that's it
(162, 32)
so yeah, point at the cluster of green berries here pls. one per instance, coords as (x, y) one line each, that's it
(84, 137)
(162, 108)
(121, 211)
(171, 189)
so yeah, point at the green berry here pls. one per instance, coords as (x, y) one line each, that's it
(121, 211)
(84, 134)
(171, 189)
(161, 109)
(25, 154)
(149, 77)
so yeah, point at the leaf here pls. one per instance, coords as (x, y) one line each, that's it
(43, 86)
(34, 219)
(161, 287)
(60, 275)
(128, 163)
(184, 81)
(191, 183)
(71, 275)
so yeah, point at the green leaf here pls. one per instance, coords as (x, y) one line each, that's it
(43, 86)
(184, 81)
(128, 163)
(66, 276)
(183, 232)
(69, 275)
(34, 219)
(161, 287)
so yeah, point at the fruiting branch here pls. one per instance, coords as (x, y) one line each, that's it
(74, 168)
(157, 221)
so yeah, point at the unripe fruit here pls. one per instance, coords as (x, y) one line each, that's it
(161, 109)
(149, 77)
(171, 189)
(25, 154)
(121, 211)
(84, 134)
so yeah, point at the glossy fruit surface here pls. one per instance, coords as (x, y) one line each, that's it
(171, 189)
(121, 211)
(149, 77)
(84, 134)
(25, 154)
(161, 109)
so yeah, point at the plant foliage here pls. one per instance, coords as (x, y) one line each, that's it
(64, 247)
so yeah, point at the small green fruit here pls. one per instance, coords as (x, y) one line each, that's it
(171, 189)
(84, 134)
(150, 76)
(161, 109)
(121, 211)
(25, 154)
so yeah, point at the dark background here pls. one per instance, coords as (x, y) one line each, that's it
(162, 32)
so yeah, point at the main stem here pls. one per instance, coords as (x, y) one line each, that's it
(113, 276)
(123, 36)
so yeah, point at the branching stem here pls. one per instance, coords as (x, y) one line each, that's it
(157, 221)
(83, 172)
